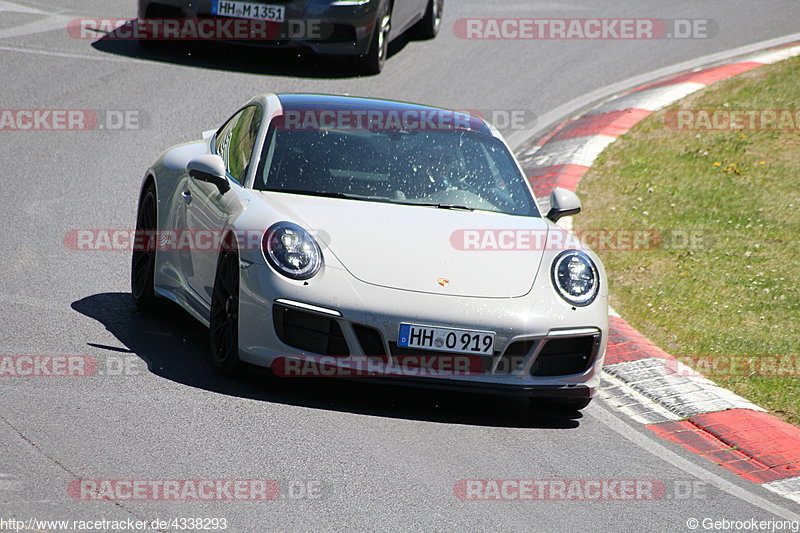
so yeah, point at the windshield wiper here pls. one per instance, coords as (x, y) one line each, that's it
(438, 206)
(326, 194)
(329, 194)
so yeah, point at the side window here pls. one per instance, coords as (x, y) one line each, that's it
(222, 142)
(243, 139)
(236, 140)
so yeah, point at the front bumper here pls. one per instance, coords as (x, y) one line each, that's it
(543, 347)
(576, 391)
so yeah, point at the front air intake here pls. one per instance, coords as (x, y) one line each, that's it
(309, 332)
(565, 356)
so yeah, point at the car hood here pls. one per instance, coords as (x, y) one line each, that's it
(419, 248)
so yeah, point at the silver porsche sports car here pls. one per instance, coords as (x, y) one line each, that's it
(354, 229)
(360, 28)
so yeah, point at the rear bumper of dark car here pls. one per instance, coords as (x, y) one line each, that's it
(336, 29)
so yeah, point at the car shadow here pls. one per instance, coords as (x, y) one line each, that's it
(291, 62)
(175, 347)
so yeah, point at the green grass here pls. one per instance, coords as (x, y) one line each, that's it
(734, 290)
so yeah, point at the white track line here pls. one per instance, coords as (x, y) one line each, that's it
(647, 443)
(577, 151)
(70, 55)
(649, 99)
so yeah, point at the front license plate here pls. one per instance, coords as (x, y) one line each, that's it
(446, 340)
(247, 10)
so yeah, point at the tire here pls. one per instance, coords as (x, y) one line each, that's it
(564, 404)
(143, 259)
(373, 61)
(224, 322)
(428, 27)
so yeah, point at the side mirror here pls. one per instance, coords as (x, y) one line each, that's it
(211, 169)
(563, 203)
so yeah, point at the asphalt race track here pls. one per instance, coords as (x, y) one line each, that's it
(348, 457)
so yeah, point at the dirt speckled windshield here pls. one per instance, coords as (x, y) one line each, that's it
(450, 168)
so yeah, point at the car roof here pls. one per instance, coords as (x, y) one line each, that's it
(303, 102)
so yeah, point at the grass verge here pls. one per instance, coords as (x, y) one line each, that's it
(722, 290)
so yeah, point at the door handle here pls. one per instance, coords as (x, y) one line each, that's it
(187, 196)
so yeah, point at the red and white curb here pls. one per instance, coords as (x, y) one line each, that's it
(643, 381)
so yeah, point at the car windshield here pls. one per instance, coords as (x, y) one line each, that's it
(454, 169)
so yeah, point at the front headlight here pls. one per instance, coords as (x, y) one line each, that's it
(575, 277)
(291, 250)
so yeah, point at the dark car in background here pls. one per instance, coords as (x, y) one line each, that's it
(357, 28)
